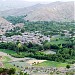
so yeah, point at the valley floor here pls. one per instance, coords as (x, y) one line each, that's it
(34, 66)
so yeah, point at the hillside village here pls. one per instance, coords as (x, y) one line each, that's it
(38, 40)
(26, 38)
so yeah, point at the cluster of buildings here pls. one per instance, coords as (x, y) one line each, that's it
(68, 33)
(26, 37)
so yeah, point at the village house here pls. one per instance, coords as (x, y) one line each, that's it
(26, 38)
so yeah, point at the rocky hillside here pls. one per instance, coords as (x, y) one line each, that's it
(5, 25)
(57, 11)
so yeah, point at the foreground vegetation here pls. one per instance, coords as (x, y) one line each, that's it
(11, 71)
(63, 51)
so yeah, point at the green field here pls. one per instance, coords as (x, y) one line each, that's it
(51, 64)
(61, 41)
(7, 51)
(8, 65)
(6, 59)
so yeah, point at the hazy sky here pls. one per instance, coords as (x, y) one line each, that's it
(41, 0)
(46, 0)
(10, 4)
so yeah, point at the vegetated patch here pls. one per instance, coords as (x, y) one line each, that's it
(58, 42)
(51, 64)
(8, 65)
(7, 51)
(6, 59)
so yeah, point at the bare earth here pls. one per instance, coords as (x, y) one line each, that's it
(35, 61)
(1, 64)
(3, 54)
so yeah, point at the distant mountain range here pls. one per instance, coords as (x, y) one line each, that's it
(56, 11)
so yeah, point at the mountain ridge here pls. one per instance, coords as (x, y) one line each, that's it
(57, 11)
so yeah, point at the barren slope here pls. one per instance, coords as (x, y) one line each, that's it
(57, 11)
(4, 25)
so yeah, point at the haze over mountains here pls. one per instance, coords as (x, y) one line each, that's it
(14, 4)
(56, 11)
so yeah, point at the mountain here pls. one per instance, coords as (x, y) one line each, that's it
(5, 25)
(56, 11)
(20, 11)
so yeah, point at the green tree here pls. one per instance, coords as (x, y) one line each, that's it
(67, 66)
(11, 71)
